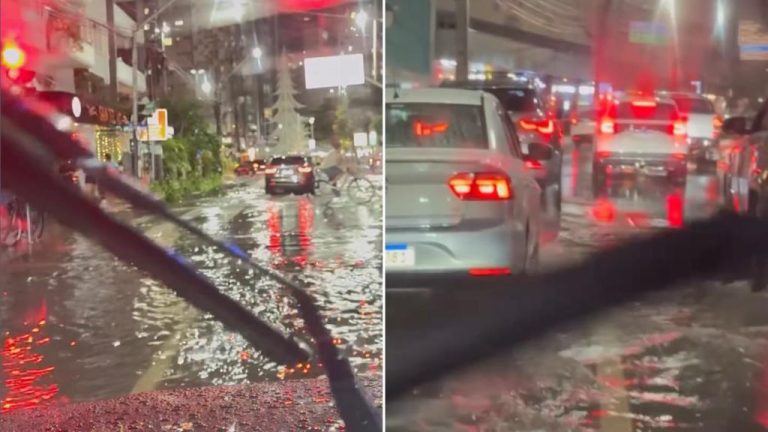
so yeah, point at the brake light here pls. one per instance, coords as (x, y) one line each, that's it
(305, 169)
(543, 126)
(270, 170)
(12, 57)
(481, 186)
(607, 126)
(644, 103)
(602, 154)
(717, 123)
(533, 164)
(679, 156)
(422, 129)
(500, 271)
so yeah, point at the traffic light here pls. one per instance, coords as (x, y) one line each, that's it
(13, 58)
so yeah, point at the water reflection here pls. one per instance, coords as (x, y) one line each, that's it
(27, 377)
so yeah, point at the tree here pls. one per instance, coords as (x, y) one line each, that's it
(341, 127)
(290, 131)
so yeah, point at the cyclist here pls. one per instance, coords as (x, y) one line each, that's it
(334, 164)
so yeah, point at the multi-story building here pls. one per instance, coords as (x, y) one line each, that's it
(234, 52)
(69, 53)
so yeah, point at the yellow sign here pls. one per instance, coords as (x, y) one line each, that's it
(157, 126)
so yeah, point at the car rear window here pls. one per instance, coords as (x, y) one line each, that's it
(435, 125)
(695, 105)
(288, 160)
(649, 112)
(516, 100)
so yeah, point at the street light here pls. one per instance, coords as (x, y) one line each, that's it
(257, 53)
(206, 86)
(312, 127)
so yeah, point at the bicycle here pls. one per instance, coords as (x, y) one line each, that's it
(19, 218)
(359, 188)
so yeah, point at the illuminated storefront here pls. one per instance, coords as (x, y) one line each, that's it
(104, 129)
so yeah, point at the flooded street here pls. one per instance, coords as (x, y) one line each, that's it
(79, 325)
(687, 359)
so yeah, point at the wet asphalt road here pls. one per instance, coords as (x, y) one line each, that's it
(689, 359)
(79, 325)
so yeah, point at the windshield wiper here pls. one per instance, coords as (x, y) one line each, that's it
(27, 154)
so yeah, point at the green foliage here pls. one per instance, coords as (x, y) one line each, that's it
(341, 127)
(192, 159)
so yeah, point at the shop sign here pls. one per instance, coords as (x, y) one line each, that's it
(102, 115)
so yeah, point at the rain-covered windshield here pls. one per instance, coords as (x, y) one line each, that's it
(694, 105)
(690, 358)
(183, 100)
(435, 125)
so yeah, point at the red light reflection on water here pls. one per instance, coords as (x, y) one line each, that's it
(604, 211)
(22, 366)
(675, 210)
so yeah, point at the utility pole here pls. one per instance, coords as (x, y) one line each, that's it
(112, 51)
(135, 76)
(462, 40)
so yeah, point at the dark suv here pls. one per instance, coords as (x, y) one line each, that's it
(289, 174)
(539, 133)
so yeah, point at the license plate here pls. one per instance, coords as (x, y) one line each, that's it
(399, 255)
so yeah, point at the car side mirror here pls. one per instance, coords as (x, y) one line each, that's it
(539, 152)
(735, 125)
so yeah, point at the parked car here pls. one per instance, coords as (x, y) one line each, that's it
(524, 103)
(289, 174)
(640, 134)
(460, 201)
(244, 168)
(259, 166)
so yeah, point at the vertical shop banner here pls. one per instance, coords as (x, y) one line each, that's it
(410, 36)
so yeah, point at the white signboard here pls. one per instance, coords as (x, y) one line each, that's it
(312, 144)
(360, 139)
(334, 71)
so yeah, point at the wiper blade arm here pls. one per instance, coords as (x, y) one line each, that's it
(353, 407)
(26, 170)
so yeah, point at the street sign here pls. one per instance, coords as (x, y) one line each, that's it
(157, 127)
(648, 33)
(753, 41)
(360, 139)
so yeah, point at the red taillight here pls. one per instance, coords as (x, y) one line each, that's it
(679, 156)
(305, 169)
(543, 126)
(493, 271)
(533, 164)
(422, 129)
(644, 103)
(607, 126)
(12, 57)
(270, 170)
(481, 186)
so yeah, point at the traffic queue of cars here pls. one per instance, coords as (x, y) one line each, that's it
(468, 164)
(461, 198)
